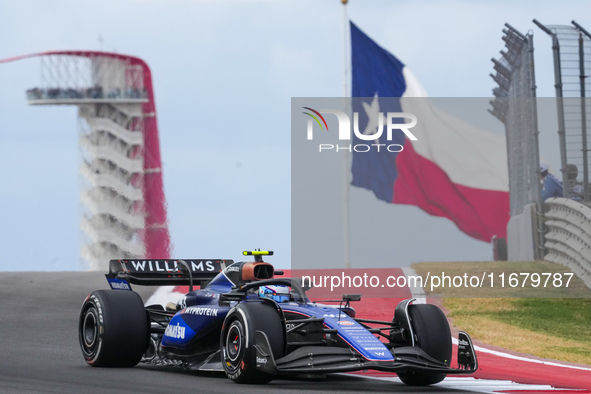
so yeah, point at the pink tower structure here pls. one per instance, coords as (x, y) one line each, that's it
(123, 194)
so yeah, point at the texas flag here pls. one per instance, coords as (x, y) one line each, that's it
(453, 169)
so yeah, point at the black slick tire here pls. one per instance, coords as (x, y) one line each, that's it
(113, 328)
(237, 340)
(434, 337)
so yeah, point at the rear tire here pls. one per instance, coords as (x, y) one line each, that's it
(433, 335)
(237, 340)
(113, 328)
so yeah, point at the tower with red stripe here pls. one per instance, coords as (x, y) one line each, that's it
(122, 189)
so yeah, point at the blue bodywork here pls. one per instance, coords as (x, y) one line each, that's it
(253, 325)
(201, 314)
(349, 330)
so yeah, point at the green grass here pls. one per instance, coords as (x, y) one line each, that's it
(562, 318)
(554, 328)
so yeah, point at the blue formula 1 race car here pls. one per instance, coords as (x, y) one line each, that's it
(246, 321)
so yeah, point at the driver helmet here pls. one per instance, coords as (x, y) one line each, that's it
(277, 293)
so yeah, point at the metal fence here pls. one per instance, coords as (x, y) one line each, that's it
(571, 46)
(515, 105)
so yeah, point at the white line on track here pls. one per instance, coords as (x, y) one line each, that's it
(481, 385)
(520, 358)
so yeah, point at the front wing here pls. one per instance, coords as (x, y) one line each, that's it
(323, 359)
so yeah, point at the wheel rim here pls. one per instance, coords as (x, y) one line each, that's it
(89, 329)
(234, 342)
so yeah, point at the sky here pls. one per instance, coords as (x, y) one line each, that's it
(224, 74)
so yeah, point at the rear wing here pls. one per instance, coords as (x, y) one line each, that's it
(166, 272)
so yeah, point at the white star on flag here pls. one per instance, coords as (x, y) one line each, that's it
(373, 116)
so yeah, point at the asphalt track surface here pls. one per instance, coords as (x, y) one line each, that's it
(39, 349)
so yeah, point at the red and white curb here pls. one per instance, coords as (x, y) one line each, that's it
(498, 353)
(487, 386)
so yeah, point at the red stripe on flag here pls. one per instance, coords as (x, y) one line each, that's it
(477, 212)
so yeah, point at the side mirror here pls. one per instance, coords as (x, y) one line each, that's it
(351, 297)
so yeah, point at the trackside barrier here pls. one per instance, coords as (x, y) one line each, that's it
(521, 229)
(568, 239)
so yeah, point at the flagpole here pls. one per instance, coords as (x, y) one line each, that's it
(346, 158)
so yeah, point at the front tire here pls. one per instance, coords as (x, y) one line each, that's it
(433, 335)
(113, 328)
(237, 340)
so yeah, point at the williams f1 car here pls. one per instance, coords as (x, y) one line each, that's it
(249, 322)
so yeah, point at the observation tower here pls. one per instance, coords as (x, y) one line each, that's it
(124, 213)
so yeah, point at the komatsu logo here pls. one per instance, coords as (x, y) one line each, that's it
(175, 331)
